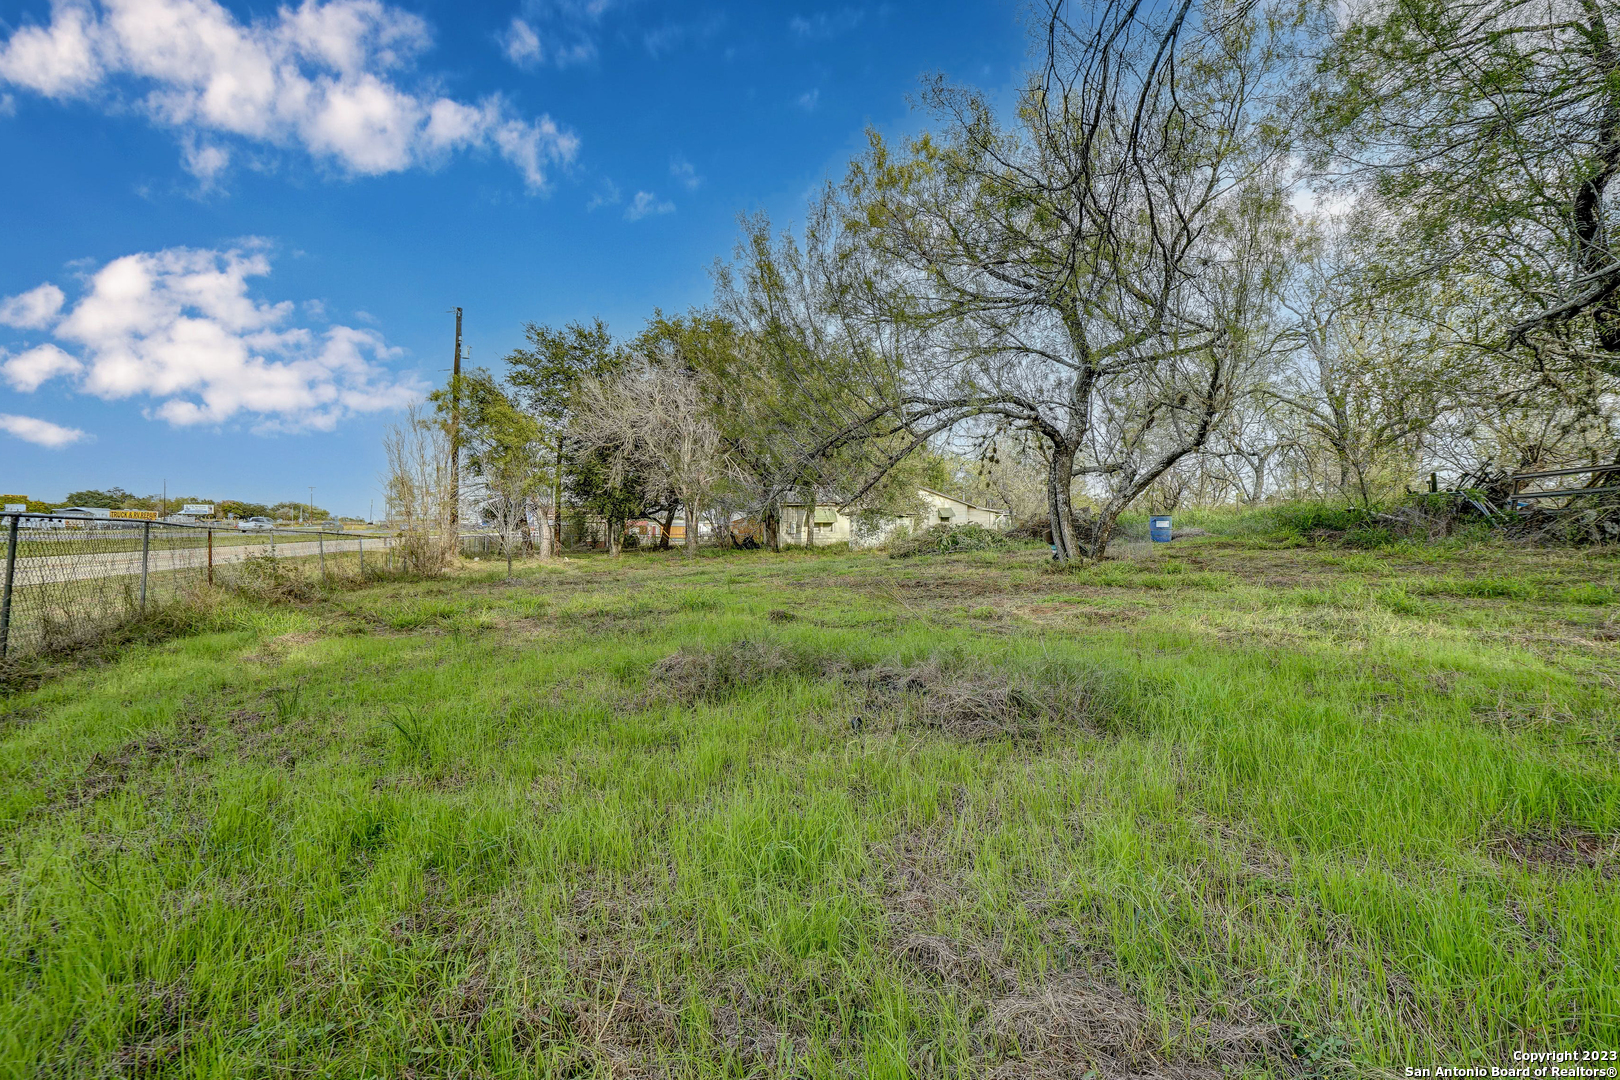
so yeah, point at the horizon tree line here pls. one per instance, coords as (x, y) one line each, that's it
(1217, 251)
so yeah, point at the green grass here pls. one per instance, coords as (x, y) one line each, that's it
(1228, 808)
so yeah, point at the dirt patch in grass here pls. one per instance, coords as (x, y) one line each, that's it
(1565, 851)
(163, 1024)
(1075, 1018)
(264, 735)
(109, 771)
(966, 702)
(274, 650)
(631, 1010)
(978, 704)
(780, 616)
(12, 719)
(1077, 1027)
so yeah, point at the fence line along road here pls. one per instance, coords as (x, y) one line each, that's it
(66, 579)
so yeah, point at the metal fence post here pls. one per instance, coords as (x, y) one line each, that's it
(146, 550)
(320, 547)
(210, 556)
(11, 576)
(360, 546)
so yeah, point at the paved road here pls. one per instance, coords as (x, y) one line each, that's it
(51, 569)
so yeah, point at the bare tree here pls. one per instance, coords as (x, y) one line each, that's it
(421, 492)
(653, 420)
(1248, 445)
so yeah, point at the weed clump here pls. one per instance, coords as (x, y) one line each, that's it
(948, 539)
(708, 674)
(971, 703)
(977, 704)
(264, 577)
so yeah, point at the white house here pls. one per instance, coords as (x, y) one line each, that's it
(829, 525)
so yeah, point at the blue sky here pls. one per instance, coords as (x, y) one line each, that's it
(232, 232)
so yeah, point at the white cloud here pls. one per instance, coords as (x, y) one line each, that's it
(682, 170)
(178, 327)
(646, 203)
(322, 77)
(205, 161)
(824, 25)
(33, 310)
(665, 39)
(8, 105)
(561, 33)
(39, 432)
(809, 100)
(522, 44)
(606, 194)
(29, 370)
(580, 52)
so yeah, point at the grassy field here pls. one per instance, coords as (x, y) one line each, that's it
(1243, 807)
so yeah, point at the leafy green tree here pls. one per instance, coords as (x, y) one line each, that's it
(297, 511)
(505, 447)
(236, 508)
(545, 377)
(597, 486)
(112, 498)
(797, 388)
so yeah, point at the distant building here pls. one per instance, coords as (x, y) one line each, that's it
(72, 517)
(829, 525)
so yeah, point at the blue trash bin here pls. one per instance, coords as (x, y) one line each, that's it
(1159, 529)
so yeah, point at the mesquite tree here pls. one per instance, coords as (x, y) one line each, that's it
(1098, 273)
(1491, 130)
(799, 385)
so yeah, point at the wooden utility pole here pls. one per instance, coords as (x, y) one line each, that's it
(455, 437)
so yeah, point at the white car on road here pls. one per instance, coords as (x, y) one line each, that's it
(255, 524)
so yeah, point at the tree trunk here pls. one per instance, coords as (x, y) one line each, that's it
(669, 527)
(691, 531)
(556, 503)
(613, 535)
(1060, 503)
(771, 523)
(810, 525)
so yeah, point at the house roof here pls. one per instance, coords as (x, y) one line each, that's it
(928, 491)
(964, 502)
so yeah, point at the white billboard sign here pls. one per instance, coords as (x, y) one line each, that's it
(15, 508)
(198, 509)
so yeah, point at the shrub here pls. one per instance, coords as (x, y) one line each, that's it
(1305, 518)
(948, 539)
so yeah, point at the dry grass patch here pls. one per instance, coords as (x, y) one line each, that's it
(692, 675)
(978, 704)
(1566, 851)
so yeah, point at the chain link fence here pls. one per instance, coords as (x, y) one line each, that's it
(67, 580)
